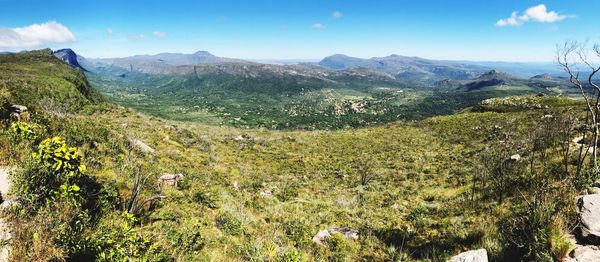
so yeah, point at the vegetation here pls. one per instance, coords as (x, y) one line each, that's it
(418, 190)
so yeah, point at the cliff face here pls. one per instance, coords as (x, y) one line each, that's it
(69, 57)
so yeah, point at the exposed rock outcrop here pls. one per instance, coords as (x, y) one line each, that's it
(479, 255)
(142, 146)
(170, 179)
(584, 254)
(588, 208)
(321, 237)
(69, 57)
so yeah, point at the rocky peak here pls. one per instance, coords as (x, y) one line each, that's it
(69, 57)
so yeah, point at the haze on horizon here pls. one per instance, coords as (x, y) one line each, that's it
(307, 30)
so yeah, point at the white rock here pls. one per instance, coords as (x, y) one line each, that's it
(170, 179)
(266, 193)
(515, 157)
(479, 255)
(142, 146)
(589, 217)
(584, 254)
(321, 237)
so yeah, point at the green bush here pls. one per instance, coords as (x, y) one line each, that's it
(25, 131)
(340, 248)
(298, 232)
(123, 243)
(52, 173)
(229, 224)
(292, 255)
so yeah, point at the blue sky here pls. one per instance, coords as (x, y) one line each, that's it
(302, 29)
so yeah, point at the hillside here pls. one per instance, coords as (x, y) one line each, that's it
(40, 80)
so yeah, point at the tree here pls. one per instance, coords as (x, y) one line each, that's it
(570, 55)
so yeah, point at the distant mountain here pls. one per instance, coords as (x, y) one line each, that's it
(155, 63)
(69, 57)
(407, 69)
(492, 78)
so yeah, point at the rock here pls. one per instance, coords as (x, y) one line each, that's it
(584, 254)
(578, 140)
(69, 57)
(479, 255)
(170, 179)
(588, 209)
(266, 193)
(18, 109)
(515, 157)
(5, 238)
(19, 112)
(7, 205)
(321, 237)
(142, 146)
(4, 182)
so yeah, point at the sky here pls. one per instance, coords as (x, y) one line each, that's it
(302, 29)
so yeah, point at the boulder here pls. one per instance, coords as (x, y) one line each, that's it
(142, 146)
(170, 179)
(321, 237)
(479, 255)
(19, 112)
(584, 254)
(588, 209)
(18, 109)
(266, 193)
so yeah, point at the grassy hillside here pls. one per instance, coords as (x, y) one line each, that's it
(39, 79)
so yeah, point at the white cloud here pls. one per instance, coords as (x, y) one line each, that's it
(159, 34)
(538, 13)
(135, 37)
(35, 35)
(109, 31)
(318, 26)
(513, 20)
(337, 14)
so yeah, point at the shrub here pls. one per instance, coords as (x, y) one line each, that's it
(292, 255)
(122, 243)
(52, 173)
(206, 199)
(298, 232)
(340, 248)
(25, 131)
(229, 224)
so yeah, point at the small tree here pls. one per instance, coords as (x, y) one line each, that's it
(570, 56)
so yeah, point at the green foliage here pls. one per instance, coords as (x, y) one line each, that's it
(292, 255)
(52, 173)
(123, 243)
(25, 131)
(54, 153)
(559, 243)
(229, 223)
(298, 232)
(207, 199)
(340, 248)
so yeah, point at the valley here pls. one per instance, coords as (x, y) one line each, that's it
(340, 92)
